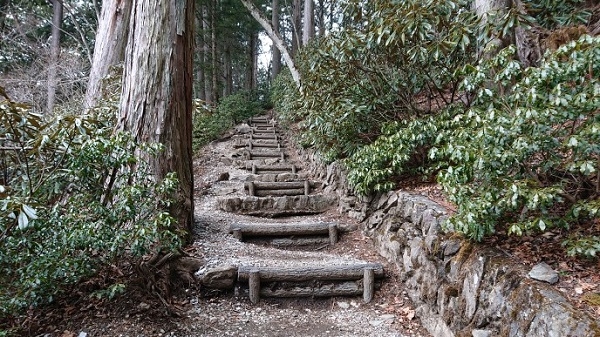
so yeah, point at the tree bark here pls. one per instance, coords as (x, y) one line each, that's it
(206, 28)
(252, 69)
(57, 18)
(277, 41)
(109, 49)
(321, 15)
(213, 50)
(276, 60)
(296, 25)
(199, 83)
(156, 103)
(308, 26)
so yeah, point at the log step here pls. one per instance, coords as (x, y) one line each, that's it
(259, 119)
(344, 272)
(267, 188)
(312, 281)
(253, 145)
(286, 229)
(264, 136)
(279, 185)
(263, 130)
(273, 168)
(265, 154)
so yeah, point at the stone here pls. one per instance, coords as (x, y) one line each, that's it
(220, 277)
(223, 176)
(481, 333)
(451, 247)
(343, 305)
(543, 272)
(388, 318)
(143, 306)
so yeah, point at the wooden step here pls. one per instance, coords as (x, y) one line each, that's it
(264, 188)
(265, 154)
(272, 207)
(257, 169)
(304, 281)
(264, 136)
(286, 229)
(263, 130)
(254, 145)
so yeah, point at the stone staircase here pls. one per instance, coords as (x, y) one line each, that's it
(276, 208)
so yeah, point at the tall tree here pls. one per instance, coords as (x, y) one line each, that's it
(57, 18)
(277, 41)
(156, 103)
(109, 49)
(308, 24)
(276, 55)
(296, 25)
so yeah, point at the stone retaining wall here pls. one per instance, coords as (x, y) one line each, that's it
(458, 288)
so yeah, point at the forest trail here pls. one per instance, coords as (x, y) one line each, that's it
(289, 237)
(258, 210)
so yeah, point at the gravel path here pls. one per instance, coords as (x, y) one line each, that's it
(226, 314)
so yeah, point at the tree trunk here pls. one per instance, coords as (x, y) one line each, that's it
(485, 8)
(321, 18)
(277, 41)
(276, 61)
(156, 103)
(109, 49)
(252, 71)
(206, 27)
(199, 83)
(3, 10)
(227, 71)
(296, 22)
(308, 27)
(213, 49)
(57, 18)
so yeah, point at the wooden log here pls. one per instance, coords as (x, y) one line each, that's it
(276, 145)
(287, 192)
(251, 188)
(333, 233)
(254, 285)
(263, 130)
(302, 273)
(265, 154)
(284, 229)
(368, 284)
(264, 136)
(279, 185)
(299, 242)
(256, 169)
(330, 289)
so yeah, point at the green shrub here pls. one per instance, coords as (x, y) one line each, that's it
(401, 64)
(528, 154)
(73, 197)
(209, 122)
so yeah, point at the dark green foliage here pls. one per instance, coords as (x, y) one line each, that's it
(73, 197)
(402, 94)
(551, 14)
(401, 64)
(209, 123)
(528, 152)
